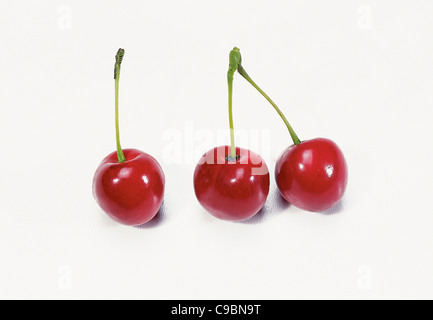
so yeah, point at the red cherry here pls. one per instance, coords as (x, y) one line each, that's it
(130, 192)
(312, 175)
(231, 190)
(128, 184)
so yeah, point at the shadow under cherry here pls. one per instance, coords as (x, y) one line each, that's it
(336, 209)
(156, 221)
(276, 205)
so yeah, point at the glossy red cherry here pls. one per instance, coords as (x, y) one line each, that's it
(231, 190)
(229, 182)
(130, 192)
(128, 184)
(312, 175)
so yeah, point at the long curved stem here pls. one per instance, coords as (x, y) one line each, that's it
(244, 74)
(119, 57)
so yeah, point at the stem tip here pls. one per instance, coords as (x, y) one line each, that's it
(119, 57)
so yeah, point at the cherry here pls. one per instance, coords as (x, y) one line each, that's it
(131, 192)
(231, 190)
(311, 174)
(128, 184)
(231, 183)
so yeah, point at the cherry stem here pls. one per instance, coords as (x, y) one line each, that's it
(244, 74)
(234, 62)
(119, 58)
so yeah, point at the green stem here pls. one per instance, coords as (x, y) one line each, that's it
(119, 57)
(232, 131)
(244, 74)
(234, 61)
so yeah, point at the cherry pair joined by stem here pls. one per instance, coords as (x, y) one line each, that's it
(310, 174)
(128, 184)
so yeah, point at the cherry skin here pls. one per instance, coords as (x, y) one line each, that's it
(130, 192)
(312, 175)
(231, 190)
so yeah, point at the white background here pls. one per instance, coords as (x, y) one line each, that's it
(357, 72)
